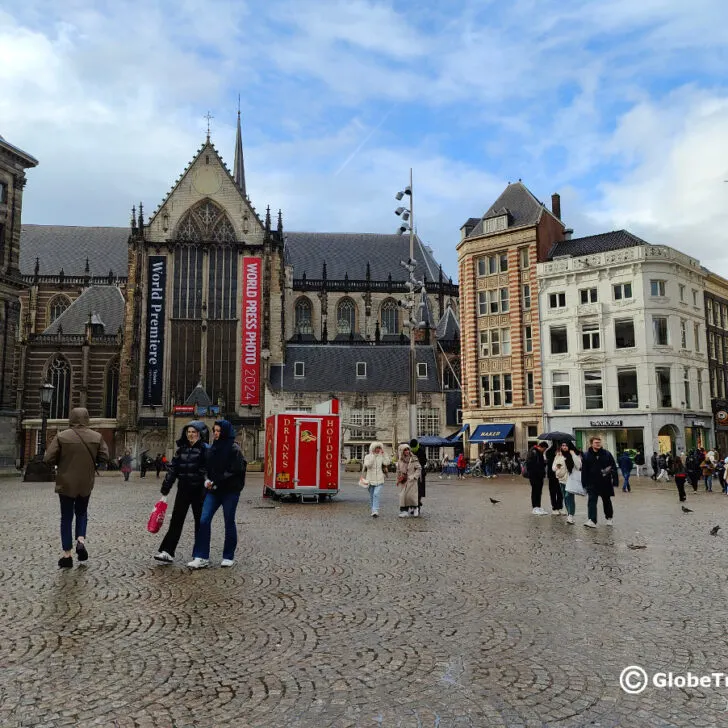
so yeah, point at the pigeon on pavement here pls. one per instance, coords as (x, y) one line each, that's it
(494, 501)
(686, 510)
(714, 530)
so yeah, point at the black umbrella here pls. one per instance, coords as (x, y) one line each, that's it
(561, 436)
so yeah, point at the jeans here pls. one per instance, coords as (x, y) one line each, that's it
(488, 470)
(77, 506)
(593, 499)
(185, 499)
(569, 500)
(229, 503)
(536, 490)
(709, 483)
(374, 493)
(625, 475)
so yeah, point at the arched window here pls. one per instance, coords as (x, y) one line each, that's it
(345, 316)
(302, 313)
(205, 221)
(389, 317)
(56, 307)
(59, 375)
(111, 389)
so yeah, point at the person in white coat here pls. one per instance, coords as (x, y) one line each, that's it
(566, 461)
(375, 473)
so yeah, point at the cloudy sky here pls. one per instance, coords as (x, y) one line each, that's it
(621, 106)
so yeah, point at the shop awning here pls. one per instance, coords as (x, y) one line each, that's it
(459, 434)
(491, 433)
(434, 441)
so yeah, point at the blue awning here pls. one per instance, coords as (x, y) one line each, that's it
(434, 441)
(459, 434)
(491, 433)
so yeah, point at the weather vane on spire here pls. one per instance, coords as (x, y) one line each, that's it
(208, 116)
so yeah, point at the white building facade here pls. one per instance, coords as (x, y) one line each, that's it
(624, 348)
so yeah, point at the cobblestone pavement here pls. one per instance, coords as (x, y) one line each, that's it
(473, 615)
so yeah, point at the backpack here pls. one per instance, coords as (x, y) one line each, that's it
(524, 469)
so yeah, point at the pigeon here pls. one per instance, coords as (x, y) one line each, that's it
(634, 546)
(686, 510)
(714, 530)
(494, 501)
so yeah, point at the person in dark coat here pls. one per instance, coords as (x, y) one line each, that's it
(680, 478)
(692, 468)
(188, 469)
(653, 463)
(639, 461)
(599, 477)
(158, 463)
(421, 455)
(557, 498)
(226, 468)
(625, 465)
(536, 468)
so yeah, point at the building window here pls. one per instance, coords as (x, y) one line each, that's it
(302, 314)
(588, 295)
(683, 334)
(361, 369)
(505, 336)
(482, 266)
(528, 339)
(358, 452)
(484, 343)
(657, 287)
(557, 300)
(695, 297)
(530, 391)
(492, 264)
(681, 292)
(298, 369)
(624, 334)
(3, 192)
(526, 295)
(659, 329)
(59, 375)
(696, 336)
(532, 435)
(523, 257)
(346, 316)
(495, 342)
(590, 337)
(421, 370)
(458, 417)
(700, 389)
(504, 300)
(494, 224)
(390, 317)
(482, 303)
(622, 291)
(559, 340)
(627, 388)
(561, 391)
(496, 390)
(709, 308)
(686, 388)
(593, 390)
(428, 421)
(364, 417)
(187, 292)
(664, 388)
(56, 307)
(111, 393)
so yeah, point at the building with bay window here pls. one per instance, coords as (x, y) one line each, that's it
(623, 344)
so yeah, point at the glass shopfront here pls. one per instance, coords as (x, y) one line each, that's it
(614, 439)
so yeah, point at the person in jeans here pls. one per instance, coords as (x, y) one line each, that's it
(373, 471)
(708, 469)
(76, 452)
(567, 460)
(599, 476)
(536, 468)
(187, 469)
(625, 465)
(226, 468)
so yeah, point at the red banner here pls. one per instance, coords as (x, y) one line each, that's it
(329, 452)
(251, 325)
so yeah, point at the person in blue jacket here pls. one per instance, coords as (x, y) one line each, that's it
(625, 465)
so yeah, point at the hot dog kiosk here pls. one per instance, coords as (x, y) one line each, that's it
(302, 454)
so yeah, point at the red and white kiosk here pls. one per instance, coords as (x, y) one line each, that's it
(302, 454)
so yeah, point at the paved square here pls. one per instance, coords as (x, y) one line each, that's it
(474, 615)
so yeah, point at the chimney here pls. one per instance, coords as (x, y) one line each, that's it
(556, 204)
(568, 233)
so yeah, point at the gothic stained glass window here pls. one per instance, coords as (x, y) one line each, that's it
(59, 375)
(303, 316)
(390, 317)
(345, 316)
(206, 221)
(111, 394)
(56, 307)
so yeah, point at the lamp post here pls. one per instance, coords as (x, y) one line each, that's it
(408, 224)
(37, 471)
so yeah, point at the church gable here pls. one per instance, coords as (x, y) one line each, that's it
(206, 201)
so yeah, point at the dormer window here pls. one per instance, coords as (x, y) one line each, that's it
(361, 370)
(421, 370)
(495, 224)
(298, 369)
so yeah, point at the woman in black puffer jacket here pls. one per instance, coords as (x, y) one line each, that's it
(188, 469)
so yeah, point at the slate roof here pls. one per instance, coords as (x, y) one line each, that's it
(106, 302)
(349, 253)
(68, 246)
(332, 368)
(448, 327)
(521, 205)
(592, 244)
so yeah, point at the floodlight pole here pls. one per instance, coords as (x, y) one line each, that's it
(413, 353)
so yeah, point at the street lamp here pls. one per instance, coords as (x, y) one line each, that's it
(37, 471)
(408, 223)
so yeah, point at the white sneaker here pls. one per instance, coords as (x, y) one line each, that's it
(227, 563)
(375, 514)
(590, 524)
(164, 557)
(415, 513)
(609, 522)
(198, 563)
(570, 519)
(404, 514)
(540, 512)
(556, 513)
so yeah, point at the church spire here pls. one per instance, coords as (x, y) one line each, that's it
(239, 165)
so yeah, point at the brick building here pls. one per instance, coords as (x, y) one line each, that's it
(716, 324)
(499, 318)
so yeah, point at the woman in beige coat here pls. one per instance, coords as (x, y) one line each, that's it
(75, 452)
(408, 477)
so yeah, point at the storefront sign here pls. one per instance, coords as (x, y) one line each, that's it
(722, 417)
(698, 423)
(157, 287)
(251, 325)
(606, 423)
(183, 409)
